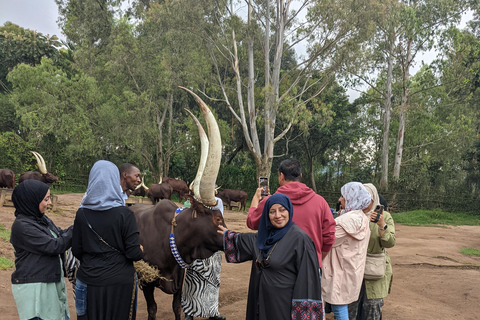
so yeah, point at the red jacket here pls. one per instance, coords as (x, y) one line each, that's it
(310, 212)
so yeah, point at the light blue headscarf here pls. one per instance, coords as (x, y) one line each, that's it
(104, 190)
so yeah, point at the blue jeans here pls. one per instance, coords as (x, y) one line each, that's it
(80, 297)
(340, 311)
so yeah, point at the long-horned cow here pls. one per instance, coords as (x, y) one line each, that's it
(43, 175)
(140, 191)
(160, 191)
(173, 238)
(178, 186)
(7, 178)
(228, 195)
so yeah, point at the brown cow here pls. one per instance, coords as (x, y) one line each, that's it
(228, 195)
(178, 186)
(160, 191)
(194, 229)
(43, 175)
(7, 178)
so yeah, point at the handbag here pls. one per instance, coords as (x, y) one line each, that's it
(375, 266)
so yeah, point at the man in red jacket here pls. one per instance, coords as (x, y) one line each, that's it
(310, 211)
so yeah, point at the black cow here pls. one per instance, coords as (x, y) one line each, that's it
(7, 178)
(228, 195)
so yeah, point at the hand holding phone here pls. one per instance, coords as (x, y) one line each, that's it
(379, 211)
(263, 182)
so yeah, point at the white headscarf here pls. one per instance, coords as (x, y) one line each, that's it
(104, 190)
(374, 194)
(356, 196)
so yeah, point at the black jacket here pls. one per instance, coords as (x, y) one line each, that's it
(37, 250)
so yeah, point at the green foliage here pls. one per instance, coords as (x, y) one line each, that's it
(6, 264)
(470, 252)
(435, 218)
(19, 45)
(4, 233)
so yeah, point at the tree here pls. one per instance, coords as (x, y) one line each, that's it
(55, 112)
(421, 22)
(276, 96)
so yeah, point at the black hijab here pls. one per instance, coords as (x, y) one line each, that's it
(268, 235)
(26, 198)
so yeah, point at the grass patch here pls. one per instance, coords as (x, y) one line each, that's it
(4, 233)
(6, 263)
(470, 252)
(435, 218)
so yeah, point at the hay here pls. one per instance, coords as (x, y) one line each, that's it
(147, 273)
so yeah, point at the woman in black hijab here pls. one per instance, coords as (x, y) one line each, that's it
(284, 281)
(38, 283)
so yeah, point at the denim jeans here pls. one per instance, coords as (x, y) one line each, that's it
(340, 311)
(80, 297)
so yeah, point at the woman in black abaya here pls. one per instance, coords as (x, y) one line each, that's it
(284, 281)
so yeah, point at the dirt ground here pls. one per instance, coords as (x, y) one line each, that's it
(432, 280)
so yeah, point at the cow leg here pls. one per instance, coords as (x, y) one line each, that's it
(177, 304)
(148, 290)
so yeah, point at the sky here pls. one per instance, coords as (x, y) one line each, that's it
(38, 15)
(42, 15)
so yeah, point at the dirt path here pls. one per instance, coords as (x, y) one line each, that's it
(432, 280)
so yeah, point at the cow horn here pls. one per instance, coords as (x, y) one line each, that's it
(210, 173)
(195, 185)
(143, 185)
(41, 163)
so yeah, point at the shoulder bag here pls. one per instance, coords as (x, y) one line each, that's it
(375, 266)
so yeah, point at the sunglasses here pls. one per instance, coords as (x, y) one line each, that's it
(262, 264)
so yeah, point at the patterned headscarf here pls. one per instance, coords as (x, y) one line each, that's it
(26, 198)
(374, 194)
(104, 190)
(356, 196)
(268, 235)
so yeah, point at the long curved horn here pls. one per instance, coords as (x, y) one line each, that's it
(41, 163)
(195, 185)
(144, 186)
(210, 173)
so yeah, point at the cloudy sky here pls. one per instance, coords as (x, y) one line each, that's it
(42, 15)
(37, 15)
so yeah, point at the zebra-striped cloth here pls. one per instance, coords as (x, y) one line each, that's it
(71, 266)
(201, 287)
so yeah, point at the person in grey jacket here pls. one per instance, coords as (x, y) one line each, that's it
(38, 284)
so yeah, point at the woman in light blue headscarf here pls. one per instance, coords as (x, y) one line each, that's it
(105, 240)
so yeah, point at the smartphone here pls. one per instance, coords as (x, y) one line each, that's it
(263, 182)
(379, 211)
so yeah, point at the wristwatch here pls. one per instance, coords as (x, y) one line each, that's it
(384, 227)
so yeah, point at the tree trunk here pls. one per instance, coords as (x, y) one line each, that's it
(312, 175)
(166, 163)
(403, 114)
(386, 120)
(160, 154)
